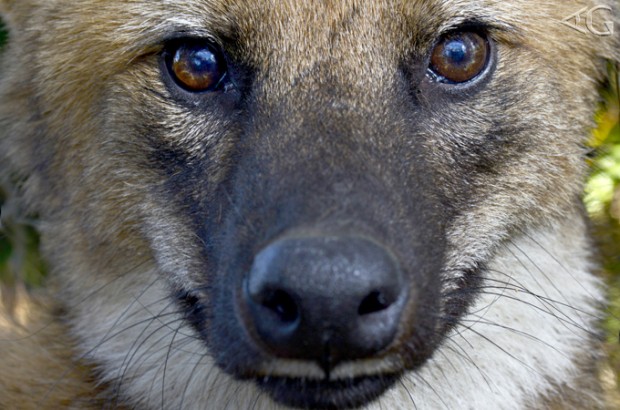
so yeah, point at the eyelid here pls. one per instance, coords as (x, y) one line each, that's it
(190, 34)
(493, 27)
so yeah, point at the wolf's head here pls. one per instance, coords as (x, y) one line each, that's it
(321, 198)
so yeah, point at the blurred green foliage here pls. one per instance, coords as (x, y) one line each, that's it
(605, 176)
(602, 199)
(2, 34)
(20, 260)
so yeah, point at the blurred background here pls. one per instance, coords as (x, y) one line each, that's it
(602, 199)
(21, 265)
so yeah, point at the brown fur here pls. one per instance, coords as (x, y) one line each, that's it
(50, 378)
(72, 87)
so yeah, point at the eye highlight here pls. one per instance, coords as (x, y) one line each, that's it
(459, 57)
(196, 66)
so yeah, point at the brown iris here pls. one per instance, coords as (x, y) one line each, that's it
(459, 57)
(197, 66)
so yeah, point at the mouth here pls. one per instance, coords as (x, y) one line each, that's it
(326, 394)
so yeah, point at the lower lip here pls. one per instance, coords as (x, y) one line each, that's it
(315, 394)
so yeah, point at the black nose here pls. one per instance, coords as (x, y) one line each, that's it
(326, 299)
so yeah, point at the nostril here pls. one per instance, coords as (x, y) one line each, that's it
(326, 299)
(282, 304)
(374, 302)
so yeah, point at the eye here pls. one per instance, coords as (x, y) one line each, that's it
(459, 57)
(196, 66)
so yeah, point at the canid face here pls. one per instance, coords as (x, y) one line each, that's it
(312, 204)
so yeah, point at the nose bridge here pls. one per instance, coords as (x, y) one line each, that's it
(323, 89)
(326, 143)
(327, 121)
(337, 124)
(348, 42)
(323, 149)
(329, 128)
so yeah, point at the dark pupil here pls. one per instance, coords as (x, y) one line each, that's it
(202, 62)
(456, 52)
(459, 57)
(197, 67)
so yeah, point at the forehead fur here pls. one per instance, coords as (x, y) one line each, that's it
(275, 35)
(283, 26)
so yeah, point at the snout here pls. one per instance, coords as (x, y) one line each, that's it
(323, 299)
(325, 244)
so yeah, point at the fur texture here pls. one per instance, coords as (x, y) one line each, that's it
(145, 193)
